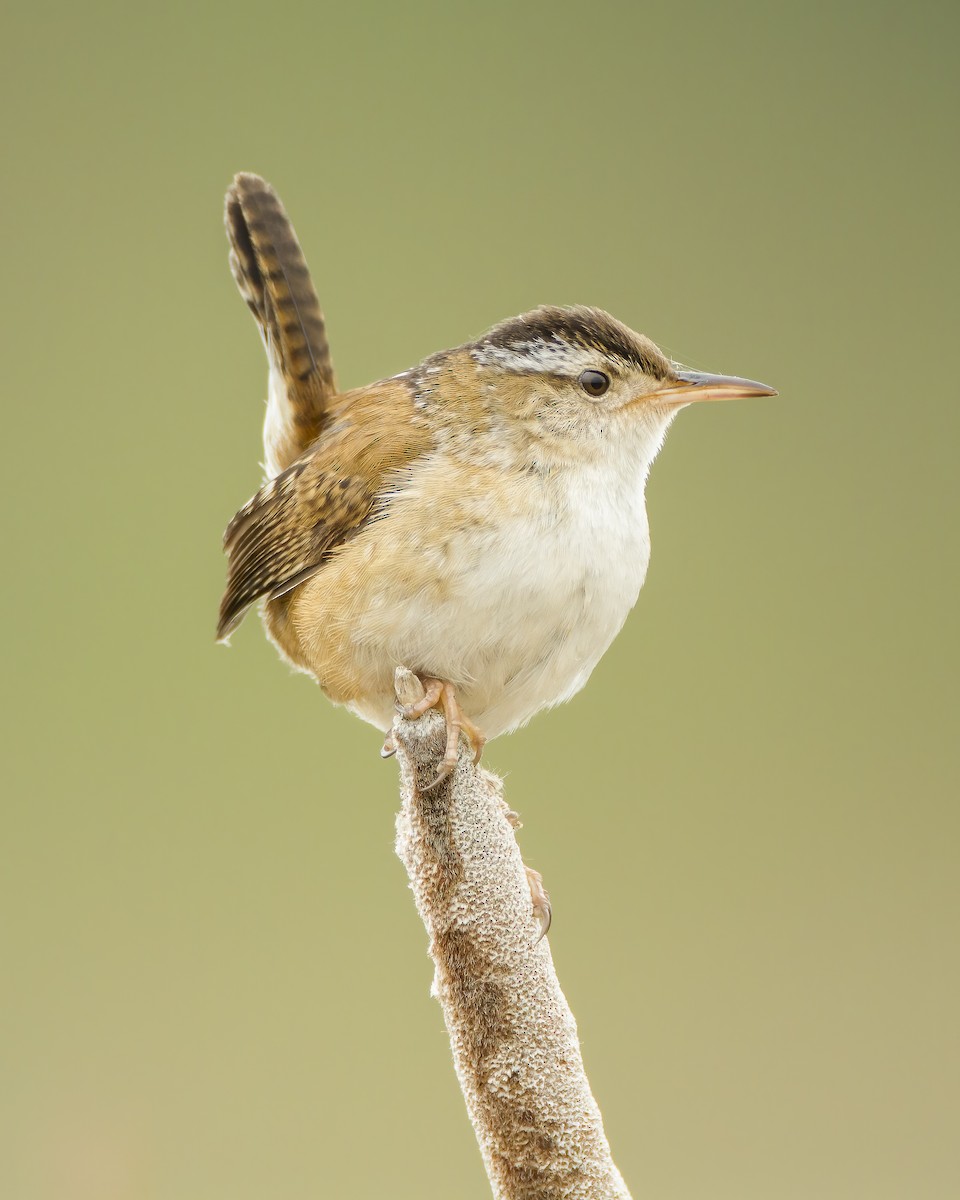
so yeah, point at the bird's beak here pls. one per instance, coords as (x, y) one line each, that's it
(691, 386)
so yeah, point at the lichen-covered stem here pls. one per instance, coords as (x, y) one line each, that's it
(514, 1039)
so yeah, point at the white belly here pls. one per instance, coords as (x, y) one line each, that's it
(518, 605)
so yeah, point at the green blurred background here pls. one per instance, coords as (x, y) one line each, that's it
(214, 981)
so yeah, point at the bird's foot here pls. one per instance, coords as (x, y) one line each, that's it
(439, 694)
(541, 901)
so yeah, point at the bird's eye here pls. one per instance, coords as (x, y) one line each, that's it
(594, 383)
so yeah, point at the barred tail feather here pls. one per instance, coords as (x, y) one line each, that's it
(274, 279)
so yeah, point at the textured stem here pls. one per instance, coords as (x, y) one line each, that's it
(514, 1039)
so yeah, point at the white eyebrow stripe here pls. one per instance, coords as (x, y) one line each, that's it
(553, 358)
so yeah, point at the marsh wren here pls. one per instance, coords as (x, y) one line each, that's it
(478, 518)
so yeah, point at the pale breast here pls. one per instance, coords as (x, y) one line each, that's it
(562, 578)
(510, 587)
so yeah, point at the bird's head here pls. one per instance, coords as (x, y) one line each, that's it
(582, 381)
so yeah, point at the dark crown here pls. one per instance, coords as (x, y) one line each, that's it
(581, 327)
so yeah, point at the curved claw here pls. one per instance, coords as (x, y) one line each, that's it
(542, 909)
(444, 773)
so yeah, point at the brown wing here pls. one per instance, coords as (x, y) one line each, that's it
(284, 534)
(274, 279)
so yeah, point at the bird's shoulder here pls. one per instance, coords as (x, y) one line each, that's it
(283, 534)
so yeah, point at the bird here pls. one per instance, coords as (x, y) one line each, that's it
(479, 518)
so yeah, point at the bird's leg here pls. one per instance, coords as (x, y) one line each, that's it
(437, 692)
(541, 901)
